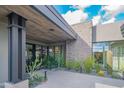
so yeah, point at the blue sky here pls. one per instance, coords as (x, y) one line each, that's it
(97, 13)
(92, 10)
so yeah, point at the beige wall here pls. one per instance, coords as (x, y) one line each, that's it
(107, 32)
(3, 52)
(80, 48)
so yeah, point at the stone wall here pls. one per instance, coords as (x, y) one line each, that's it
(80, 48)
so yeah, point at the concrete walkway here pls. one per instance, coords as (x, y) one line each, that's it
(66, 79)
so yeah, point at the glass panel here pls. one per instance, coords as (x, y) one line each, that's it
(44, 56)
(115, 58)
(44, 51)
(121, 64)
(51, 57)
(62, 64)
(100, 51)
(57, 54)
(38, 52)
(51, 50)
(29, 55)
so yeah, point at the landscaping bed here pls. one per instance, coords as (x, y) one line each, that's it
(89, 66)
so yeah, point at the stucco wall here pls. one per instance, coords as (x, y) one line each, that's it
(107, 32)
(3, 52)
(80, 48)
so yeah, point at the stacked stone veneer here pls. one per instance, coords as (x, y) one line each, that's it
(80, 48)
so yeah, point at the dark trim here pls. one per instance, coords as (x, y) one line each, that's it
(33, 52)
(107, 41)
(54, 51)
(47, 51)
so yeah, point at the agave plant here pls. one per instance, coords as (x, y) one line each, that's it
(31, 68)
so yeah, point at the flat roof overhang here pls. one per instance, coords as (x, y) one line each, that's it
(42, 24)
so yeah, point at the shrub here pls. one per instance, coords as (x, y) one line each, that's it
(116, 75)
(74, 65)
(101, 73)
(33, 76)
(69, 65)
(97, 67)
(50, 62)
(53, 61)
(109, 69)
(88, 64)
(37, 79)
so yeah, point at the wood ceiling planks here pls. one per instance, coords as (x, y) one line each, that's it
(37, 25)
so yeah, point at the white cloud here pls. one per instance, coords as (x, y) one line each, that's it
(113, 10)
(79, 15)
(110, 14)
(109, 21)
(111, 7)
(75, 16)
(96, 20)
(80, 7)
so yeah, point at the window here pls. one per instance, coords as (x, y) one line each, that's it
(29, 55)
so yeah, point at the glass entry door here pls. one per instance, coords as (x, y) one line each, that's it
(118, 58)
(115, 52)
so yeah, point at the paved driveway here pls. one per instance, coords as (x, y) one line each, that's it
(66, 79)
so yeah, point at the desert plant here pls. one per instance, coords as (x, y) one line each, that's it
(60, 60)
(98, 57)
(31, 68)
(97, 67)
(88, 64)
(34, 77)
(53, 61)
(69, 65)
(116, 75)
(39, 77)
(109, 69)
(101, 73)
(74, 65)
(122, 70)
(36, 80)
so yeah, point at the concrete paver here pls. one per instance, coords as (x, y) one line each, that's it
(66, 79)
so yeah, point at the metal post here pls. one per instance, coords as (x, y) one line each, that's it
(16, 47)
(45, 75)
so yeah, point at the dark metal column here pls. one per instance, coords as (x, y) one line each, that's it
(34, 52)
(54, 51)
(17, 36)
(47, 51)
(23, 44)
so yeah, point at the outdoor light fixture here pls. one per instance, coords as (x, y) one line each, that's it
(51, 29)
